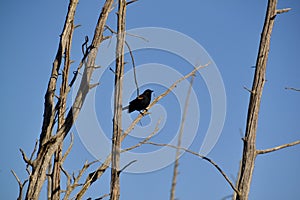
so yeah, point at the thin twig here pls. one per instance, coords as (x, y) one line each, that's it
(25, 158)
(85, 52)
(145, 140)
(21, 185)
(137, 36)
(130, 163)
(278, 147)
(279, 11)
(71, 187)
(34, 150)
(248, 89)
(291, 88)
(201, 156)
(131, 56)
(102, 197)
(134, 69)
(93, 176)
(132, 1)
(69, 148)
(176, 164)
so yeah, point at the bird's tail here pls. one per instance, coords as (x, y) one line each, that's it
(125, 108)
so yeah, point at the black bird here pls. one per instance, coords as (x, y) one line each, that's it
(140, 103)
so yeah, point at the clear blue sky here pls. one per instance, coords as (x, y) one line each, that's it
(229, 31)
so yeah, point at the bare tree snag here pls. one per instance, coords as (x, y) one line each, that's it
(41, 163)
(50, 143)
(49, 110)
(249, 150)
(117, 120)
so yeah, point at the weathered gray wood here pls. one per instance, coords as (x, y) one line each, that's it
(117, 121)
(49, 144)
(249, 150)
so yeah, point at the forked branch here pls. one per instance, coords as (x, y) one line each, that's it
(21, 185)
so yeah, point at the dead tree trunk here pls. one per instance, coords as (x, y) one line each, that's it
(40, 164)
(249, 151)
(117, 121)
(49, 142)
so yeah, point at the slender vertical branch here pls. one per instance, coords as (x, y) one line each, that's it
(62, 108)
(176, 164)
(249, 151)
(117, 121)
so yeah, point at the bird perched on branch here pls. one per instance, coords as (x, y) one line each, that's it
(140, 103)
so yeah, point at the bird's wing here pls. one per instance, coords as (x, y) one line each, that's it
(140, 97)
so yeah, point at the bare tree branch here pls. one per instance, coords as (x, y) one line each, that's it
(201, 156)
(102, 197)
(130, 163)
(132, 1)
(25, 158)
(132, 60)
(139, 117)
(21, 185)
(134, 69)
(283, 10)
(291, 88)
(93, 176)
(117, 119)
(72, 185)
(145, 140)
(34, 150)
(247, 89)
(49, 142)
(278, 147)
(249, 149)
(69, 148)
(176, 164)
